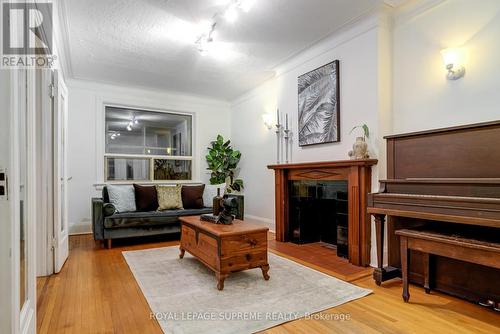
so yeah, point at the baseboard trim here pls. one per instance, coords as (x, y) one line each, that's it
(83, 227)
(79, 233)
(264, 221)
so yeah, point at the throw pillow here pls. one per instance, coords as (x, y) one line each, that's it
(192, 196)
(145, 198)
(122, 197)
(169, 197)
(211, 191)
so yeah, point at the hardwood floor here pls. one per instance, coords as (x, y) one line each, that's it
(96, 293)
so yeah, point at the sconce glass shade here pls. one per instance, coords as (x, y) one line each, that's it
(454, 60)
(268, 120)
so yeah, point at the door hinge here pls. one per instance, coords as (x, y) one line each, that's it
(52, 91)
(4, 184)
(54, 244)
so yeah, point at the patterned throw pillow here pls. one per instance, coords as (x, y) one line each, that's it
(122, 197)
(169, 197)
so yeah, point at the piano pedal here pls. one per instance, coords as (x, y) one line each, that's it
(497, 307)
(488, 303)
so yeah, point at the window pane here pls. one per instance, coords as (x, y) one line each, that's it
(172, 169)
(122, 169)
(130, 131)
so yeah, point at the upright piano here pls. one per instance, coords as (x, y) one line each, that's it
(448, 177)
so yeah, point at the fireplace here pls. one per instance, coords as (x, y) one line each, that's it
(325, 201)
(318, 211)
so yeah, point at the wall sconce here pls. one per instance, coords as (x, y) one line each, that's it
(268, 120)
(454, 60)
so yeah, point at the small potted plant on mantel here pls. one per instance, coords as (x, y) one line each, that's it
(360, 147)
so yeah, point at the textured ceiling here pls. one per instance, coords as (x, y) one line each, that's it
(150, 42)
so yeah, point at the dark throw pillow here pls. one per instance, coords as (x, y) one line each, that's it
(192, 196)
(145, 198)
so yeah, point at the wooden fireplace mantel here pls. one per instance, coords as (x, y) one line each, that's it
(358, 175)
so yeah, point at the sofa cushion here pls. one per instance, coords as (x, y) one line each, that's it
(145, 198)
(122, 197)
(211, 191)
(169, 197)
(192, 196)
(152, 218)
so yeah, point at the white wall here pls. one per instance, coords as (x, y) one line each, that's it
(423, 97)
(85, 147)
(258, 146)
(364, 98)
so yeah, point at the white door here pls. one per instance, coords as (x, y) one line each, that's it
(60, 108)
(17, 202)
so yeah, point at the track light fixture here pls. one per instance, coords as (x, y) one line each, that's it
(230, 13)
(203, 41)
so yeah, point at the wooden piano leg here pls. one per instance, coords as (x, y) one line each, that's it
(379, 230)
(426, 272)
(405, 264)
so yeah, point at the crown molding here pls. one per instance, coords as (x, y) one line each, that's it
(380, 17)
(175, 99)
(265, 86)
(414, 8)
(350, 30)
(395, 3)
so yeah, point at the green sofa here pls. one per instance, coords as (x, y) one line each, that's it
(108, 225)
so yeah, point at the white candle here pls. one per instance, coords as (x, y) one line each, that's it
(277, 116)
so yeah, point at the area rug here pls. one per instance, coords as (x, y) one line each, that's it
(184, 298)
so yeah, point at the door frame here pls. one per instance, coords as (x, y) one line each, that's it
(23, 320)
(53, 245)
(60, 171)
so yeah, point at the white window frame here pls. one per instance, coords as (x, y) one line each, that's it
(151, 157)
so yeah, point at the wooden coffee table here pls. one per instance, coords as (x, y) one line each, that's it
(225, 248)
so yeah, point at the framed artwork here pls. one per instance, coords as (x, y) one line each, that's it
(319, 105)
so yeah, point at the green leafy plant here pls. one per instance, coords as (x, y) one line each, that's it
(222, 161)
(364, 127)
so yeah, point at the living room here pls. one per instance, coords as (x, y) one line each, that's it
(243, 166)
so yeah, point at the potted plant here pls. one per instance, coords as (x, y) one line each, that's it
(222, 161)
(360, 147)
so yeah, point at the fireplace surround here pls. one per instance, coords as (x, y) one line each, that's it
(357, 173)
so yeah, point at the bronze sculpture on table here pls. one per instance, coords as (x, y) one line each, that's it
(225, 216)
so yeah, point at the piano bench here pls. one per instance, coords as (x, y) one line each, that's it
(486, 253)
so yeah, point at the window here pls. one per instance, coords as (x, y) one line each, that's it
(147, 145)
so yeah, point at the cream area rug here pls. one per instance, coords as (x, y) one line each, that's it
(183, 296)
